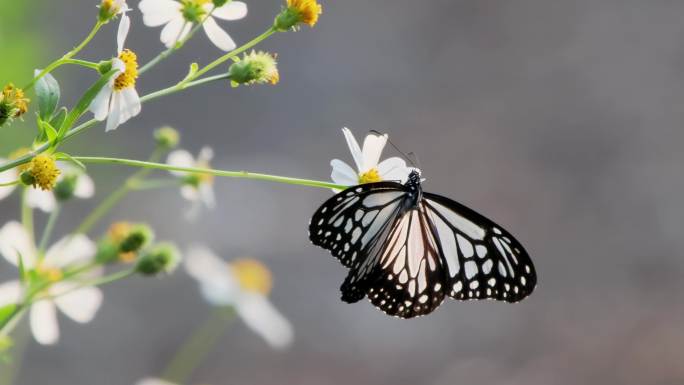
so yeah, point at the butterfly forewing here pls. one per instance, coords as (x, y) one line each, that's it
(482, 259)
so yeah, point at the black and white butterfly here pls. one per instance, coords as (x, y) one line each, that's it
(407, 249)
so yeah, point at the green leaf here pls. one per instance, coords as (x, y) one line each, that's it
(47, 92)
(69, 158)
(84, 103)
(58, 118)
(22, 268)
(48, 132)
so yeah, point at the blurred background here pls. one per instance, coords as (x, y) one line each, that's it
(562, 121)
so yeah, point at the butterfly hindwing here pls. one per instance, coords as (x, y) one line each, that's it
(483, 260)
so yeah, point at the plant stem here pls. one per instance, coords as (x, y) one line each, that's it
(82, 63)
(181, 86)
(49, 226)
(119, 275)
(27, 214)
(197, 346)
(21, 340)
(195, 170)
(8, 184)
(65, 59)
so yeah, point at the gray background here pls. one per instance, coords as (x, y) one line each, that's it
(561, 120)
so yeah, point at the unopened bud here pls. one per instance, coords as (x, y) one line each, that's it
(162, 258)
(138, 237)
(167, 137)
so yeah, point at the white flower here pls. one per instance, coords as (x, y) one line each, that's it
(46, 201)
(7, 176)
(244, 285)
(367, 166)
(118, 100)
(79, 304)
(178, 18)
(197, 188)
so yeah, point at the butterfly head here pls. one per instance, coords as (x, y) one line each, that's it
(414, 176)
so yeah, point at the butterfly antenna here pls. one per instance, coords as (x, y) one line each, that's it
(406, 156)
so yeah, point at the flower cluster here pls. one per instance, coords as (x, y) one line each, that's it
(13, 103)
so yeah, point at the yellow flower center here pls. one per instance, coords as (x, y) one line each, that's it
(45, 172)
(203, 177)
(118, 231)
(48, 273)
(128, 257)
(370, 176)
(308, 10)
(130, 74)
(252, 275)
(16, 99)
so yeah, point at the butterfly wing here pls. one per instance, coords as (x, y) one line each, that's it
(482, 259)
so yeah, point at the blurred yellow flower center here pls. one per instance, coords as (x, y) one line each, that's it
(128, 257)
(44, 171)
(16, 99)
(109, 6)
(130, 74)
(370, 176)
(308, 10)
(48, 273)
(204, 177)
(252, 275)
(118, 231)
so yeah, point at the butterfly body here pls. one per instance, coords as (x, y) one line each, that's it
(407, 249)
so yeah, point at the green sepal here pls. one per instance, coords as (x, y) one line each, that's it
(47, 93)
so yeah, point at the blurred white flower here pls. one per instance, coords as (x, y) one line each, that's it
(153, 381)
(45, 200)
(368, 165)
(6, 177)
(118, 101)
(78, 304)
(197, 188)
(244, 285)
(178, 18)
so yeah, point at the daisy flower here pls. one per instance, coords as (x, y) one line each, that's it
(118, 101)
(197, 188)
(83, 188)
(179, 16)
(369, 169)
(79, 304)
(243, 284)
(7, 176)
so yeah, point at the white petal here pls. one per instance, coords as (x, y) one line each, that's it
(122, 33)
(205, 155)
(6, 177)
(217, 35)
(180, 158)
(69, 250)
(265, 320)
(206, 192)
(394, 169)
(40, 199)
(354, 148)
(153, 381)
(114, 118)
(131, 105)
(43, 320)
(85, 187)
(217, 283)
(343, 174)
(158, 12)
(190, 193)
(372, 149)
(100, 105)
(233, 10)
(118, 65)
(171, 33)
(10, 292)
(80, 305)
(15, 241)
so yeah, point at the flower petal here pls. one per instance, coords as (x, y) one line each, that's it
(70, 250)
(40, 199)
(43, 320)
(6, 177)
(394, 169)
(372, 149)
(354, 148)
(153, 381)
(205, 155)
(10, 292)
(80, 305)
(131, 104)
(122, 33)
(233, 10)
(15, 241)
(114, 118)
(217, 35)
(100, 105)
(158, 12)
(85, 187)
(265, 320)
(343, 174)
(206, 193)
(190, 193)
(174, 31)
(217, 284)
(180, 158)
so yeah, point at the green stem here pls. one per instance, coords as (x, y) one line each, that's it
(115, 197)
(175, 47)
(197, 346)
(154, 184)
(64, 59)
(119, 275)
(181, 86)
(82, 63)
(49, 226)
(196, 170)
(11, 369)
(27, 214)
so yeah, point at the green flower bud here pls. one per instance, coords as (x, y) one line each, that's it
(138, 237)
(167, 137)
(5, 112)
(107, 251)
(192, 11)
(27, 178)
(64, 190)
(254, 68)
(108, 10)
(104, 66)
(162, 258)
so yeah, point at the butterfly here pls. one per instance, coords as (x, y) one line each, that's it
(407, 249)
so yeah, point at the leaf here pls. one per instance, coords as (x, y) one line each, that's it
(48, 132)
(47, 92)
(84, 103)
(58, 118)
(194, 67)
(22, 269)
(69, 158)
